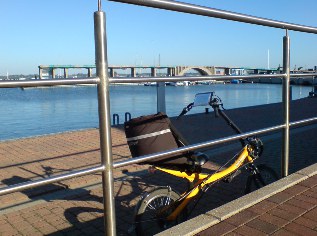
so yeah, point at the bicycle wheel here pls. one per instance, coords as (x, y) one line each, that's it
(147, 219)
(264, 176)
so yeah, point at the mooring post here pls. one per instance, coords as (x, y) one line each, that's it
(104, 121)
(286, 103)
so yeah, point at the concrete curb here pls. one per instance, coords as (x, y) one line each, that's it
(204, 221)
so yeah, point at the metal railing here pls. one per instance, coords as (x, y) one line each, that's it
(103, 81)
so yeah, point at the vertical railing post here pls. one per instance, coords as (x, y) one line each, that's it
(104, 121)
(286, 103)
(160, 93)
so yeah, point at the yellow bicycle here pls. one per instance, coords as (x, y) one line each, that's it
(163, 207)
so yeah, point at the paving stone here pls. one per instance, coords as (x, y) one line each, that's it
(248, 231)
(218, 229)
(283, 214)
(283, 232)
(306, 222)
(262, 226)
(280, 197)
(296, 189)
(305, 198)
(311, 182)
(311, 214)
(263, 207)
(292, 209)
(272, 219)
(300, 230)
(310, 193)
(242, 218)
(302, 204)
(233, 234)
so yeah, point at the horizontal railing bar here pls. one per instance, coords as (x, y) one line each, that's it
(216, 13)
(303, 74)
(54, 179)
(190, 78)
(300, 122)
(49, 180)
(180, 150)
(55, 82)
(46, 82)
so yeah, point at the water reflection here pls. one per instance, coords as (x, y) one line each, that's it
(40, 111)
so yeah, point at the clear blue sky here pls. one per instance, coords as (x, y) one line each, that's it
(46, 32)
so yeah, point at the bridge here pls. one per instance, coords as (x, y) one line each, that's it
(50, 71)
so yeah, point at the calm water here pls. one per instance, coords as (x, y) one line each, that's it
(40, 111)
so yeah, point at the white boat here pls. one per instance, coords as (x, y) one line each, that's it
(174, 83)
(150, 84)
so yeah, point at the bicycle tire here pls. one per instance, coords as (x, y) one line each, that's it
(146, 220)
(265, 176)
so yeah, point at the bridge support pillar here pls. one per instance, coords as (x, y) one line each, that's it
(170, 71)
(153, 72)
(111, 72)
(53, 73)
(177, 70)
(89, 72)
(40, 73)
(133, 72)
(65, 73)
(212, 70)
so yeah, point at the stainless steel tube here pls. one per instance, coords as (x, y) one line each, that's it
(303, 75)
(286, 94)
(53, 179)
(48, 82)
(104, 122)
(211, 12)
(210, 143)
(174, 152)
(191, 78)
(303, 122)
(99, 5)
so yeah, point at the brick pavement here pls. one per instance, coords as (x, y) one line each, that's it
(290, 212)
(80, 212)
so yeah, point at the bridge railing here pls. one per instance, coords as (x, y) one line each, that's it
(103, 81)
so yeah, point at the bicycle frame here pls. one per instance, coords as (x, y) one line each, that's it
(200, 182)
(204, 179)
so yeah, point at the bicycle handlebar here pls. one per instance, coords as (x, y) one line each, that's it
(216, 103)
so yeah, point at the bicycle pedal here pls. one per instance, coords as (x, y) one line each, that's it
(232, 176)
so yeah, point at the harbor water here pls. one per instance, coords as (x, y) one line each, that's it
(39, 111)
